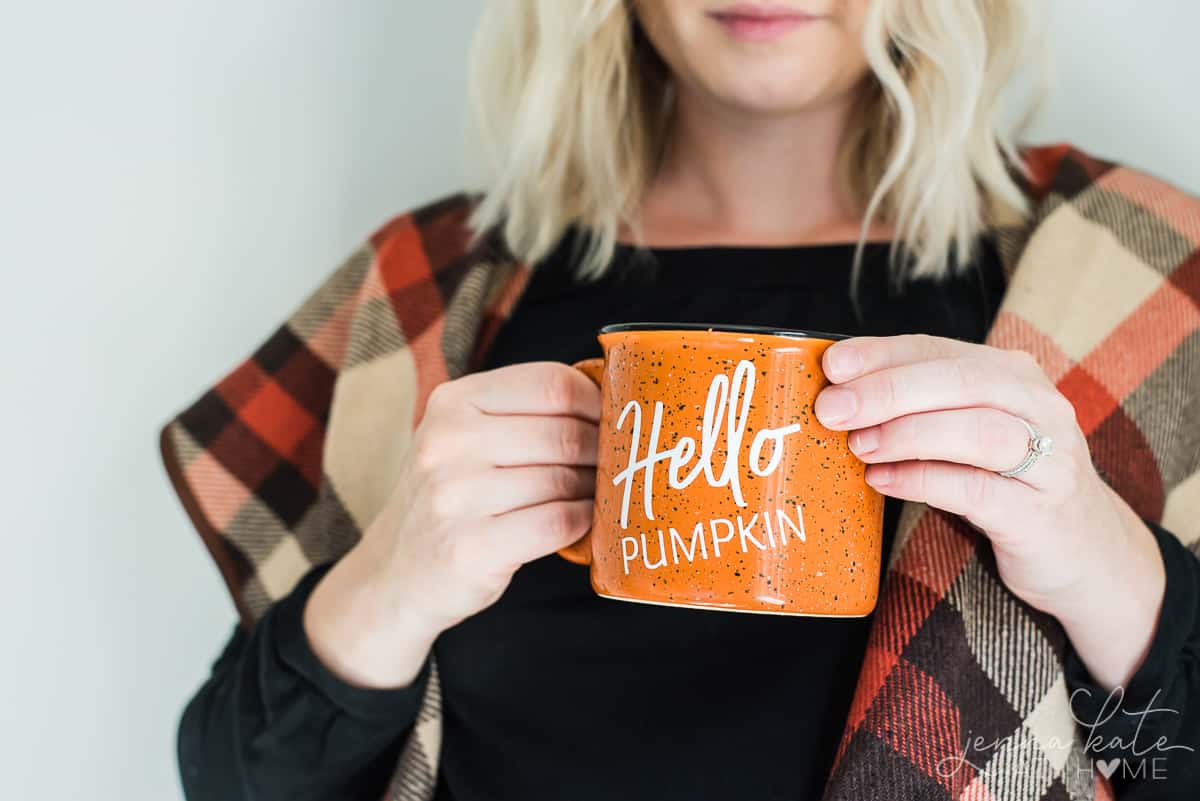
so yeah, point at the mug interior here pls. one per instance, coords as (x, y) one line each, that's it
(717, 328)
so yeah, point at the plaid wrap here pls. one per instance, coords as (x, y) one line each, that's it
(288, 458)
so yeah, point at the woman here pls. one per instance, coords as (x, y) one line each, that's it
(833, 166)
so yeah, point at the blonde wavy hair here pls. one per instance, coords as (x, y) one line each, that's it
(573, 107)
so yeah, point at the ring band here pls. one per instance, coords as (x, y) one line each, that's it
(1039, 445)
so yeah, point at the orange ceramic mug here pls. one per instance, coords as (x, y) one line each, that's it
(716, 486)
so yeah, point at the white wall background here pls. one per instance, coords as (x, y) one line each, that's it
(174, 177)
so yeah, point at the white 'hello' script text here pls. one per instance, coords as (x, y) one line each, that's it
(727, 404)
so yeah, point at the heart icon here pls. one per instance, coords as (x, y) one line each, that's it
(1108, 768)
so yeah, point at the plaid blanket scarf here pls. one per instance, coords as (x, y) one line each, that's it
(283, 462)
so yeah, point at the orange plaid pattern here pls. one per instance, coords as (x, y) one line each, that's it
(284, 462)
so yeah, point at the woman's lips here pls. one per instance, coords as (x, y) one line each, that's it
(760, 23)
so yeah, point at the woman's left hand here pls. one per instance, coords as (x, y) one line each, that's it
(938, 419)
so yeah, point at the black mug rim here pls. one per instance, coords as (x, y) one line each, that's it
(718, 328)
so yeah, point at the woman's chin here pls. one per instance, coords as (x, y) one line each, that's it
(759, 84)
(764, 99)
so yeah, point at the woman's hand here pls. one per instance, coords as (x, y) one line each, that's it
(500, 472)
(937, 419)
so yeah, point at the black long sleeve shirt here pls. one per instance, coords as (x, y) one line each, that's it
(555, 693)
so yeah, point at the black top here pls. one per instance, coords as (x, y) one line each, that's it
(555, 693)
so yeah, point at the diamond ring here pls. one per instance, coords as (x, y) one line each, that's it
(1039, 445)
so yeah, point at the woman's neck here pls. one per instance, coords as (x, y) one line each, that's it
(729, 177)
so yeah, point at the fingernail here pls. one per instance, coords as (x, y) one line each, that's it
(835, 405)
(844, 362)
(879, 475)
(864, 440)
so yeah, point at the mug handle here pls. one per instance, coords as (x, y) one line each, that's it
(580, 551)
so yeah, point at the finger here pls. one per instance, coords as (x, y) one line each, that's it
(547, 388)
(495, 491)
(986, 499)
(517, 440)
(858, 356)
(523, 535)
(980, 437)
(953, 383)
(850, 358)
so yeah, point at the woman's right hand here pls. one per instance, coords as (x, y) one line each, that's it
(500, 472)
